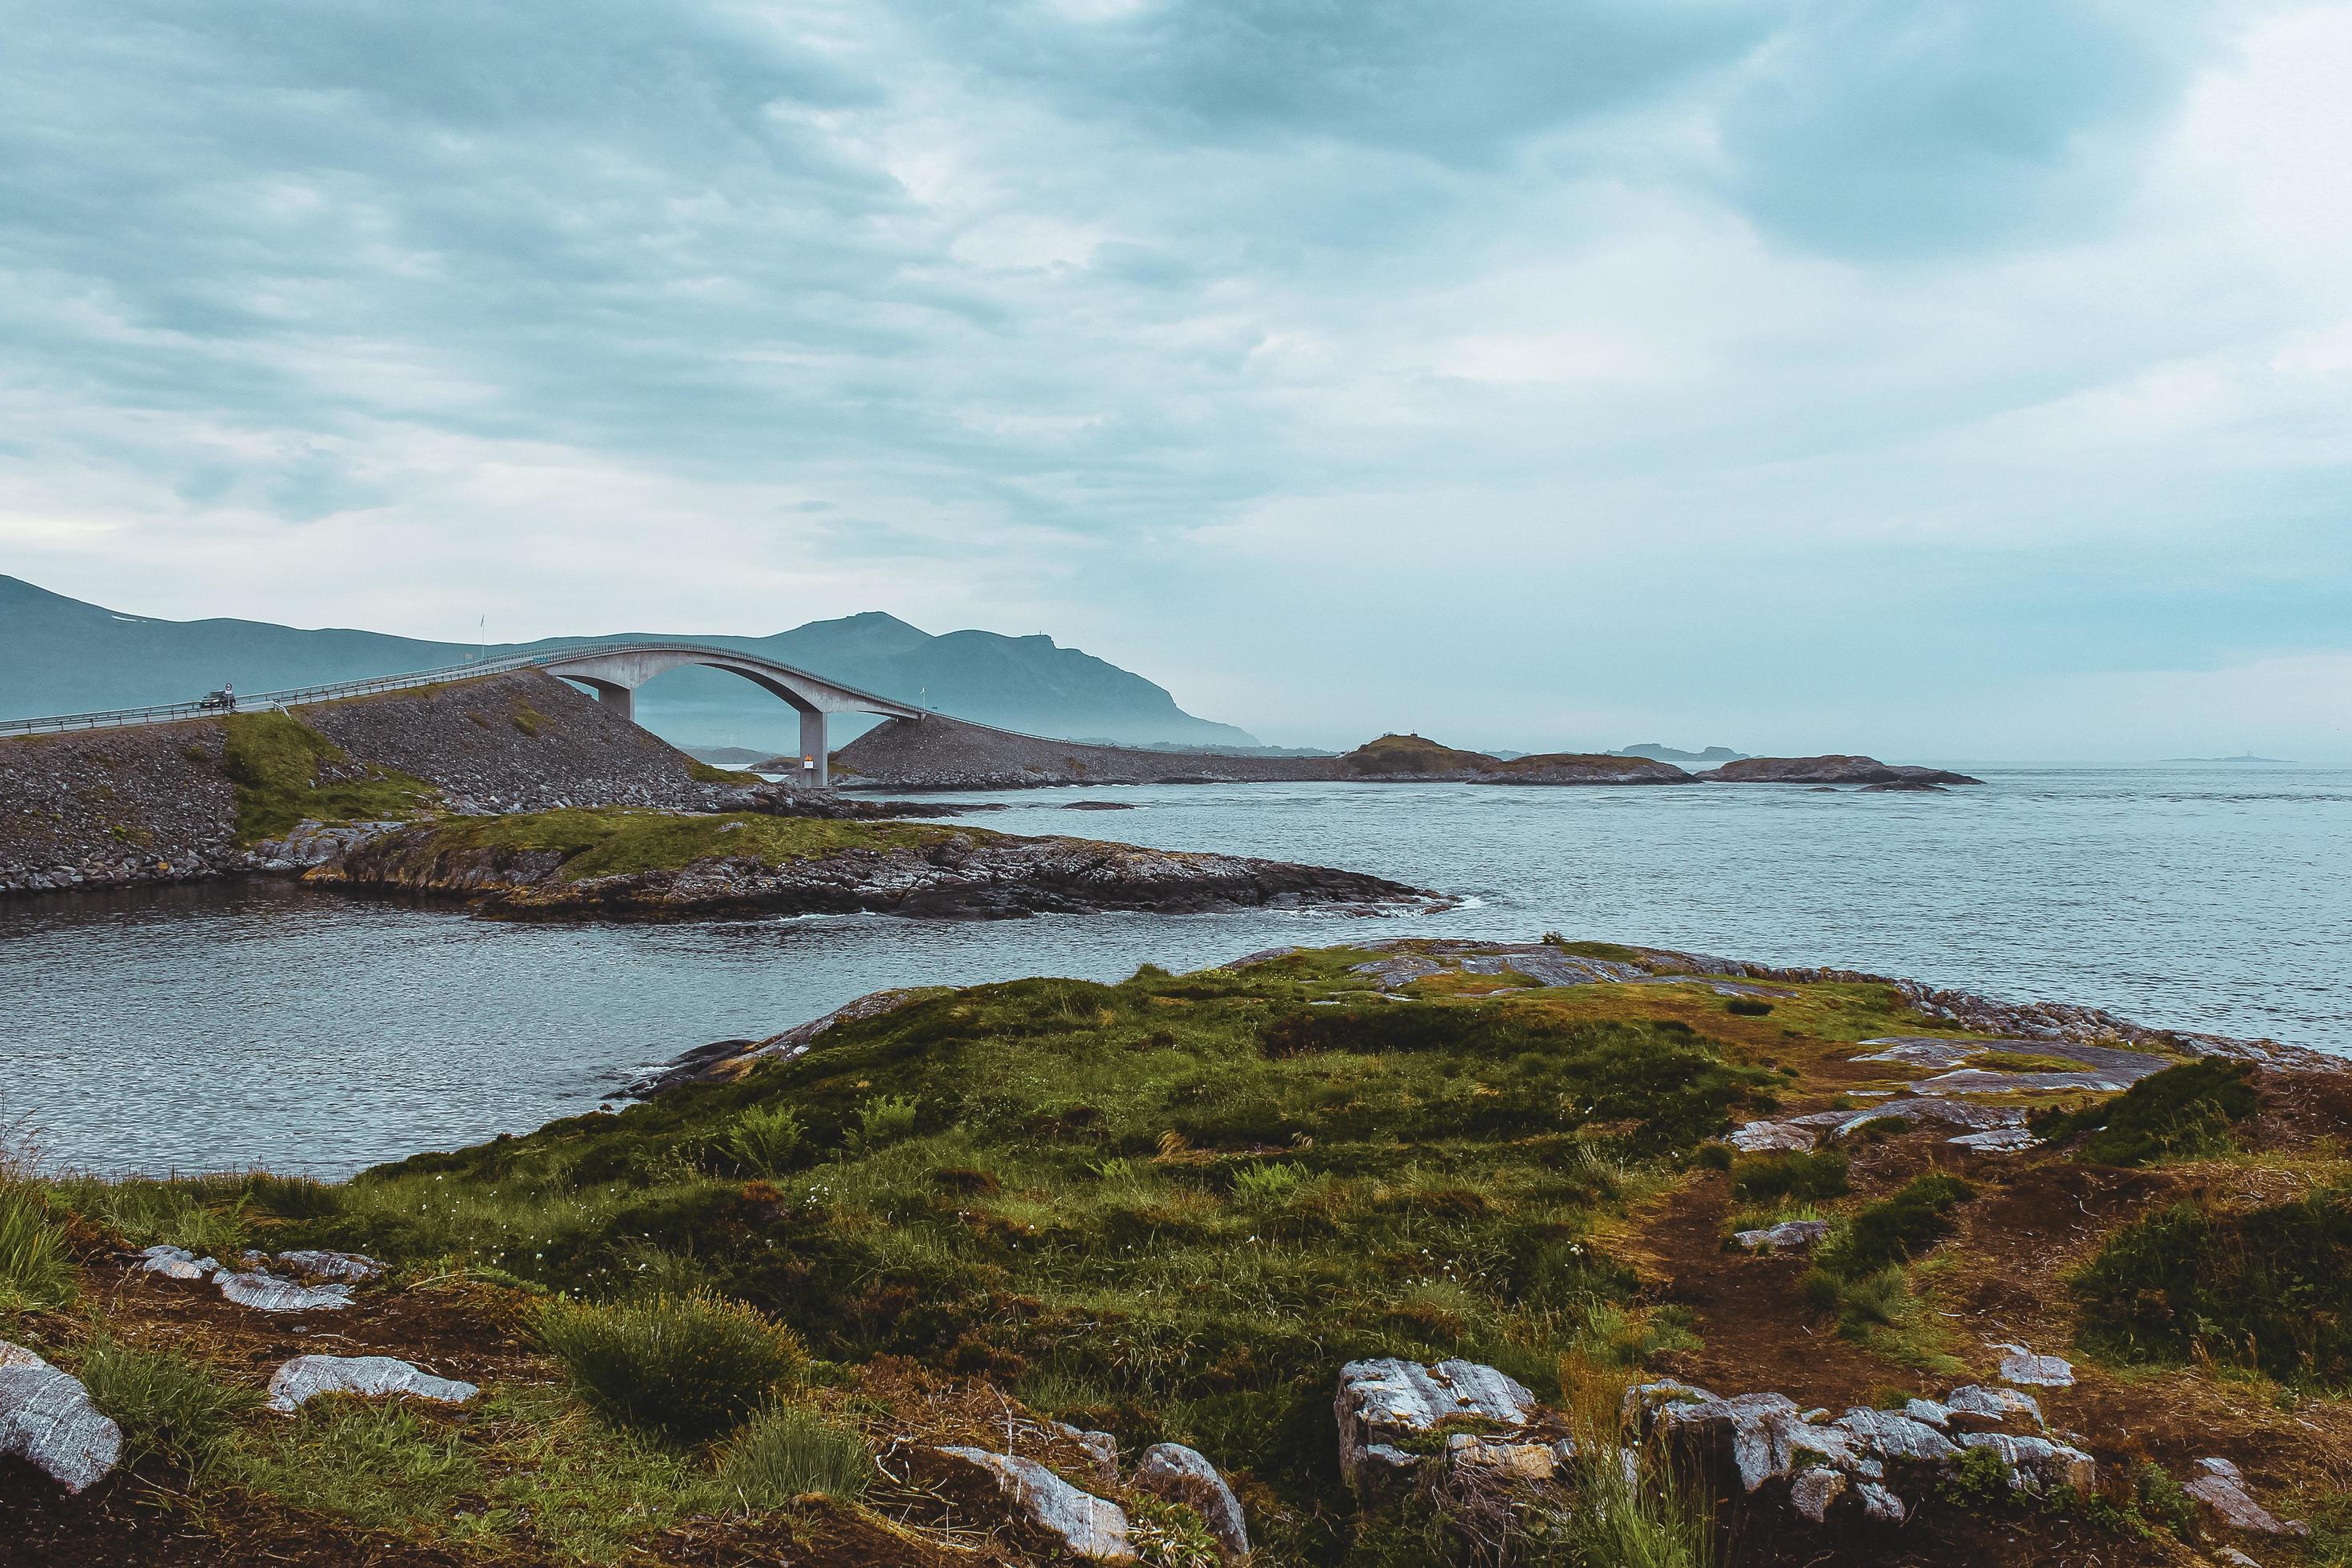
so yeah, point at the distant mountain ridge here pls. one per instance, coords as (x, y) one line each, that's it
(59, 655)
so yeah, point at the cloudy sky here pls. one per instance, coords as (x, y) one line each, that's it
(1936, 379)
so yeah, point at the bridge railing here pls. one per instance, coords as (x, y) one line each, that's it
(293, 697)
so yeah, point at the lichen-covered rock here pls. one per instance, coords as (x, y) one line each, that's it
(1383, 1400)
(1764, 1137)
(306, 1377)
(1181, 1475)
(1878, 1505)
(1930, 1412)
(1813, 1489)
(1531, 1464)
(266, 1292)
(1999, 1406)
(1087, 1527)
(2037, 1464)
(1789, 1236)
(2220, 1487)
(46, 1420)
(177, 1263)
(318, 1264)
(2021, 1365)
(1896, 1438)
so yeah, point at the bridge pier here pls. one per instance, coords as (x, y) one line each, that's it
(813, 750)
(621, 699)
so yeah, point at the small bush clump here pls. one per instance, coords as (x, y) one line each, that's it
(2269, 1287)
(36, 1271)
(884, 1120)
(687, 1367)
(764, 1138)
(1895, 1231)
(1747, 1007)
(164, 1403)
(2180, 1114)
(1789, 1175)
(789, 1451)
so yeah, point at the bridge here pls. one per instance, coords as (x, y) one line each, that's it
(613, 671)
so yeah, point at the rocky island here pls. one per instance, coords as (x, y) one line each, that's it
(1419, 1252)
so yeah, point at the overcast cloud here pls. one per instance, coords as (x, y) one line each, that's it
(1929, 378)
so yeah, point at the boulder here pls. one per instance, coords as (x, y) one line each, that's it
(1086, 1527)
(1938, 1415)
(2037, 1464)
(1789, 1236)
(177, 1263)
(1896, 1438)
(266, 1292)
(318, 1265)
(1181, 1475)
(1762, 1137)
(2221, 1487)
(2020, 1365)
(371, 1376)
(1101, 1447)
(1383, 1400)
(1994, 1405)
(1813, 1489)
(1643, 1401)
(1878, 1505)
(46, 1420)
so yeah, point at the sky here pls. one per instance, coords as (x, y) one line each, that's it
(1935, 380)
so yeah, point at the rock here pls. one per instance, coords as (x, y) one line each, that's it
(1760, 1137)
(317, 1264)
(266, 1292)
(2230, 1557)
(1101, 1447)
(2037, 1464)
(1813, 1489)
(1180, 1474)
(177, 1263)
(1643, 1401)
(1087, 1527)
(2021, 1365)
(1391, 973)
(1928, 1410)
(1878, 1505)
(371, 1376)
(1756, 1430)
(1533, 1463)
(46, 1420)
(1997, 1403)
(1789, 1236)
(1380, 1400)
(1998, 1140)
(2221, 1488)
(1896, 1438)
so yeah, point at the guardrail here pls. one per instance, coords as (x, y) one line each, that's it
(262, 701)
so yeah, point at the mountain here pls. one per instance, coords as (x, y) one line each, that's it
(61, 655)
(1658, 752)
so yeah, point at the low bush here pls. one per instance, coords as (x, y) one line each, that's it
(764, 1138)
(686, 1367)
(36, 1273)
(884, 1120)
(2269, 1287)
(1895, 1231)
(789, 1451)
(164, 1403)
(1789, 1175)
(1747, 1007)
(2180, 1114)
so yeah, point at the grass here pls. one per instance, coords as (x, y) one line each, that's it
(380, 1465)
(166, 1403)
(684, 1367)
(764, 1138)
(275, 761)
(2267, 1287)
(37, 1272)
(617, 842)
(789, 1451)
(2182, 1112)
(1887, 1233)
(1789, 1175)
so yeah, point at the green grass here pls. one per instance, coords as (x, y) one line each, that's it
(37, 1272)
(684, 1367)
(381, 1465)
(1887, 1233)
(166, 1403)
(789, 1451)
(2267, 1287)
(617, 842)
(2182, 1112)
(764, 1138)
(274, 760)
(1789, 1175)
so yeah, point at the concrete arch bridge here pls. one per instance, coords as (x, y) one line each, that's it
(613, 671)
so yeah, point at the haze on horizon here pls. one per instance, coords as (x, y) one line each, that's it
(1928, 379)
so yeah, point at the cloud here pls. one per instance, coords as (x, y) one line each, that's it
(1868, 362)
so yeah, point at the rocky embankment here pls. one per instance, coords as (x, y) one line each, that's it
(162, 803)
(927, 871)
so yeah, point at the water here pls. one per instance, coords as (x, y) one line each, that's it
(219, 1026)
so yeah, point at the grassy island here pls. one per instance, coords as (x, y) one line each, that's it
(734, 1319)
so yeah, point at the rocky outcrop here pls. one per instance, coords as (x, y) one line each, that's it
(2220, 1487)
(46, 1420)
(1086, 1527)
(964, 875)
(1183, 1474)
(1829, 770)
(306, 1377)
(1384, 1405)
(324, 1282)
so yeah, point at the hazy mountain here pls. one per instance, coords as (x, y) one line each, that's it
(1658, 752)
(62, 656)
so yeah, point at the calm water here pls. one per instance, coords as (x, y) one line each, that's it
(207, 1027)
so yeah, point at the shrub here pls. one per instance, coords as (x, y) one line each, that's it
(687, 1367)
(1267, 1187)
(1747, 1007)
(2179, 1113)
(1896, 1230)
(36, 1271)
(2270, 1287)
(764, 1138)
(164, 1403)
(883, 1120)
(1789, 1175)
(789, 1451)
